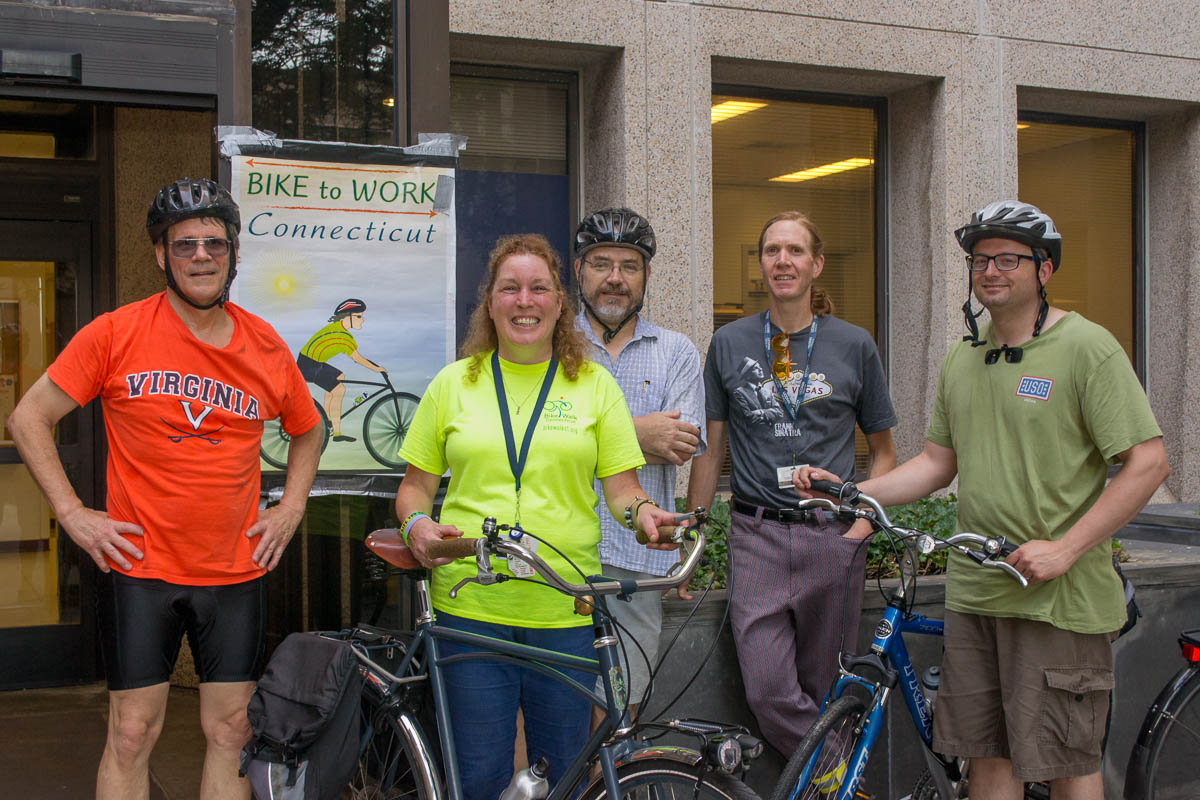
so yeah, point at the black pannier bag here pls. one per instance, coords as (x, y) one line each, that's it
(305, 717)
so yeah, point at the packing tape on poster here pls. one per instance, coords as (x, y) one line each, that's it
(232, 138)
(437, 144)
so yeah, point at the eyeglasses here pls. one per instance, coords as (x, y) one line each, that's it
(781, 367)
(186, 248)
(601, 267)
(1012, 355)
(1005, 262)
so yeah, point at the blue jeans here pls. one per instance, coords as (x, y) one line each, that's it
(485, 695)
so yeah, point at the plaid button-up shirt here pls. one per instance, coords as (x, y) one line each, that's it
(658, 370)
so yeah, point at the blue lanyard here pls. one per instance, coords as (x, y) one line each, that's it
(517, 463)
(779, 390)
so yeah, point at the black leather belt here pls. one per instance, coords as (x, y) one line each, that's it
(790, 516)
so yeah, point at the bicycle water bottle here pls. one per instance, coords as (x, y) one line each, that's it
(360, 398)
(529, 784)
(931, 679)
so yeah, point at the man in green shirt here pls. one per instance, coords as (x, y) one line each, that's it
(1030, 411)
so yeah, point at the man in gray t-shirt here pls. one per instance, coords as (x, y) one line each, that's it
(787, 387)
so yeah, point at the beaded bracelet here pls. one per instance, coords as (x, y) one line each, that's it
(633, 508)
(411, 520)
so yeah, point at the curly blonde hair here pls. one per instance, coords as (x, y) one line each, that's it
(569, 344)
(822, 303)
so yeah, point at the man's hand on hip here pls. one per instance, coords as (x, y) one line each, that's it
(664, 434)
(274, 529)
(99, 535)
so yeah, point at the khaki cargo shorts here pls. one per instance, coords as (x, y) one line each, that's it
(1025, 691)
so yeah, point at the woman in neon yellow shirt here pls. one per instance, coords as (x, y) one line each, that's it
(524, 369)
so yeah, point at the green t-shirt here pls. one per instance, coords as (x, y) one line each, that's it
(328, 342)
(1033, 442)
(584, 430)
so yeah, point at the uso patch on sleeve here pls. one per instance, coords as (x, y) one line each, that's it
(1036, 388)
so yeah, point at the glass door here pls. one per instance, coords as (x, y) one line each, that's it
(47, 630)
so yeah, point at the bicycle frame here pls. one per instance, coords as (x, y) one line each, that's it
(889, 657)
(383, 387)
(423, 661)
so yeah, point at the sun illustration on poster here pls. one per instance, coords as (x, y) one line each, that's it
(281, 280)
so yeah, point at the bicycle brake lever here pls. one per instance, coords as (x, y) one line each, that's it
(1009, 568)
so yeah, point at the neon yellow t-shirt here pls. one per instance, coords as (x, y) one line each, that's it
(328, 342)
(584, 430)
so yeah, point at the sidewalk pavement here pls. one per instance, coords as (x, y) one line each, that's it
(52, 740)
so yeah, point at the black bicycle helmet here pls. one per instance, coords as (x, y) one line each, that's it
(189, 198)
(1021, 222)
(185, 199)
(351, 305)
(620, 227)
(1012, 219)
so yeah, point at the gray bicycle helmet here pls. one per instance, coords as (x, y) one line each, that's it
(186, 199)
(620, 227)
(1012, 219)
(1021, 222)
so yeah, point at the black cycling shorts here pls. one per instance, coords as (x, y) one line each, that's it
(143, 621)
(320, 373)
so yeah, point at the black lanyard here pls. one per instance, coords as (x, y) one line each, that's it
(779, 387)
(517, 463)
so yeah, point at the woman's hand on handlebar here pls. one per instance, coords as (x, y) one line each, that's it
(802, 481)
(425, 531)
(658, 524)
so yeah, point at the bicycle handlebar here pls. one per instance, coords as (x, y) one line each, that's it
(991, 551)
(482, 548)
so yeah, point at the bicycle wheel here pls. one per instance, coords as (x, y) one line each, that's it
(818, 766)
(275, 441)
(662, 779)
(385, 767)
(1163, 765)
(386, 426)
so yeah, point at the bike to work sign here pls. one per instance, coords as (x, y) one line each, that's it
(352, 262)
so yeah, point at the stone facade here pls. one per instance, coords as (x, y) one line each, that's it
(955, 75)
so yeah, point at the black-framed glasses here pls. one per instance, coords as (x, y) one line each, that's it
(215, 246)
(781, 367)
(1005, 262)
(1012, 355)
(602, 267)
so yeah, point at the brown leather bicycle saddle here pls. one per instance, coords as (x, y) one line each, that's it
(388, 544)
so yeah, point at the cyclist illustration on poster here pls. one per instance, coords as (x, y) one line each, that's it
(323, 240)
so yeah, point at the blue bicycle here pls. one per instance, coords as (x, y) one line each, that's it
(830, 761)
(404, 691)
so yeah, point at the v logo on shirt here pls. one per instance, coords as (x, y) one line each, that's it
(194, 419)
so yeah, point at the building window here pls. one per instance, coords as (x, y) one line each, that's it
(517, 173)
(1086, 175)
(48, 130)
(773, 153)
(323, 70)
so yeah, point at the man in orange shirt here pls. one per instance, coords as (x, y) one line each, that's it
(185, 380)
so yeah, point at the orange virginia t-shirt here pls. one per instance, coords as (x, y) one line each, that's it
(184, 420)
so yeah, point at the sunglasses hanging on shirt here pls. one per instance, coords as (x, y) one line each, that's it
(1012, 355)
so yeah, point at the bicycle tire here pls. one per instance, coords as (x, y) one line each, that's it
(386, 425)
(926, 789)
(828, 743)
(663, 779)
(275, 442)
(384, 770)
(1163, 764)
